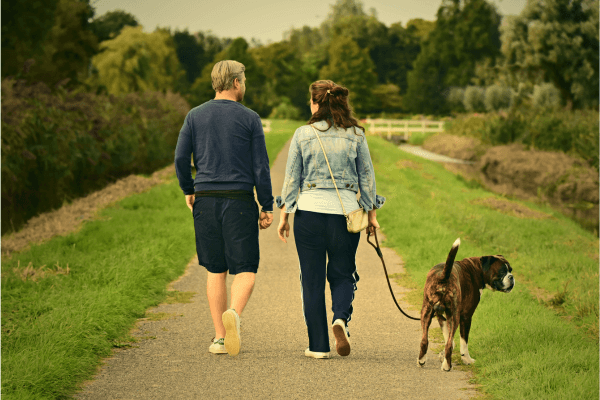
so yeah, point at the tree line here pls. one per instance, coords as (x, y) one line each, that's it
(420, 67)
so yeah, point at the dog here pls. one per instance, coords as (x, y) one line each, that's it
(452, 292)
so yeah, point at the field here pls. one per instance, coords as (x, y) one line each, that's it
(68, 302)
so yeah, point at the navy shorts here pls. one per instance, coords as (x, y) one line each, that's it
(226, 234)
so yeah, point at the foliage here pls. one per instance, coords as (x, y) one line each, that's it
(388, 98)
(456, 97)
(287, 82)
(23, 34)
(556, 41)
(572, 132)
(497, 98)
(136, 61)
(109, 25)
(285, 110)
(353, 68)
(474, 99)
(463, 35)
(60, 58)
(57, 147)
(546, 97)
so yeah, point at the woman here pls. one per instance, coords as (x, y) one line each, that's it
(319, 224)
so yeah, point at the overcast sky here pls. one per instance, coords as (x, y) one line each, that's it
(267, 20)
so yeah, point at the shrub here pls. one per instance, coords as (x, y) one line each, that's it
(474, 99)
(456, 98)
(504, 130)
(285, 110)
(60, 146)
(546, 97)
(497, 98)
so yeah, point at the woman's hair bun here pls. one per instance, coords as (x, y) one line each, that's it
(339, 91)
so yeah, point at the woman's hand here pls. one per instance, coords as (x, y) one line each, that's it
(284, 226)
(373, 224)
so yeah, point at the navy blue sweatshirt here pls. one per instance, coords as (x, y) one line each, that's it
(228, 145)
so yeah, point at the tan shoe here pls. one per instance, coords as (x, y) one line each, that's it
(231, 322)
(342, 343)
(217, 346)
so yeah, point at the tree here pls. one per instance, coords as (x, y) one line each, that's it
(420, 27)
(352, 67)
(462, 36)
(25, 25)
(109, 25)
(63, 51)
(255, 97)
(557, 39)
(285, 78)
(136, 61)
(190, 54)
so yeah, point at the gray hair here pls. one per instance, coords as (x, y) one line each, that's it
(224, 73)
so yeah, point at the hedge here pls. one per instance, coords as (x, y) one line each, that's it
(59, 145)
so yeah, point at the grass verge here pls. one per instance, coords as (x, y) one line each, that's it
(523, 348)
(58, 322)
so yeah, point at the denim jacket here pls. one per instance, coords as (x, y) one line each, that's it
(348, 156)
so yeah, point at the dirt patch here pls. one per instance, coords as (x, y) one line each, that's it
(510, 207)
(561, 180)
(70, 217)
(459, 147)
(568, 183)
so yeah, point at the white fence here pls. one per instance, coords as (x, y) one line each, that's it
(266, 125)
(404, 126)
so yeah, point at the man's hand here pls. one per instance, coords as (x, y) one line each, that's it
(266, 219)
(189, 201)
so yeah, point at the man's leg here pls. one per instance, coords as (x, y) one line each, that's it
(217, 300)
(241, 289)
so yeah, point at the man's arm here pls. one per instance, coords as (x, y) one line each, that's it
(183, 168)
(260, 167)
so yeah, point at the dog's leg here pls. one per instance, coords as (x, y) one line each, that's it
(444, 325)
(465, 327)
(426, 317)
(449, 331)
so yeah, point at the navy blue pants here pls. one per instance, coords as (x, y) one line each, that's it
(320, 236)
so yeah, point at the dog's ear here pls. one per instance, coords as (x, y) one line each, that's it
(486, 262)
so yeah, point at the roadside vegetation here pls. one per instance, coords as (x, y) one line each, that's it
(68, 302)
(540, 340)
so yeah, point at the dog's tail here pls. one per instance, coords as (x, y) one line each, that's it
(450, 259)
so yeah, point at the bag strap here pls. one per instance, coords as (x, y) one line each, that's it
(328, 166)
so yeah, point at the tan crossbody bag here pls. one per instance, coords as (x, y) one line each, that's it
(357, 220)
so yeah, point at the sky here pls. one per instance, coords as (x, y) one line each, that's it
(267, 20)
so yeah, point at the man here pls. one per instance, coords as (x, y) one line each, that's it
(227, 142)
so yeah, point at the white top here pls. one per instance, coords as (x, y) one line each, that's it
(326, 201)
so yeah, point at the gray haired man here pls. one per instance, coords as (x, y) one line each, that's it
(227, 142)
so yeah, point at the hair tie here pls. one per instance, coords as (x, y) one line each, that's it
(328, 92)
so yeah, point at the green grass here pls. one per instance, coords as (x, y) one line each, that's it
(523, 348)
(56, 328)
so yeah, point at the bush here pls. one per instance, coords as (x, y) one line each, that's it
(474, 99)
(285, 110)
(501, 130)
(546, 97)
(456, 98)
(60, 146)
(497, 98)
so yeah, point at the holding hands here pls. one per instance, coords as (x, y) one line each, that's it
(266, 219)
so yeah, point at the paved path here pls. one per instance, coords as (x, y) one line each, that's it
(175, 364)
(419, 151)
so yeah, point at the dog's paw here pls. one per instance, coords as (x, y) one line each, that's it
(421, 361)
(446, 367)
(467, 360)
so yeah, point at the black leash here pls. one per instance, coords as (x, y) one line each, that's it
(378, 250)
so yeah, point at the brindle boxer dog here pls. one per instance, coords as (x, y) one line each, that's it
(452, 292)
